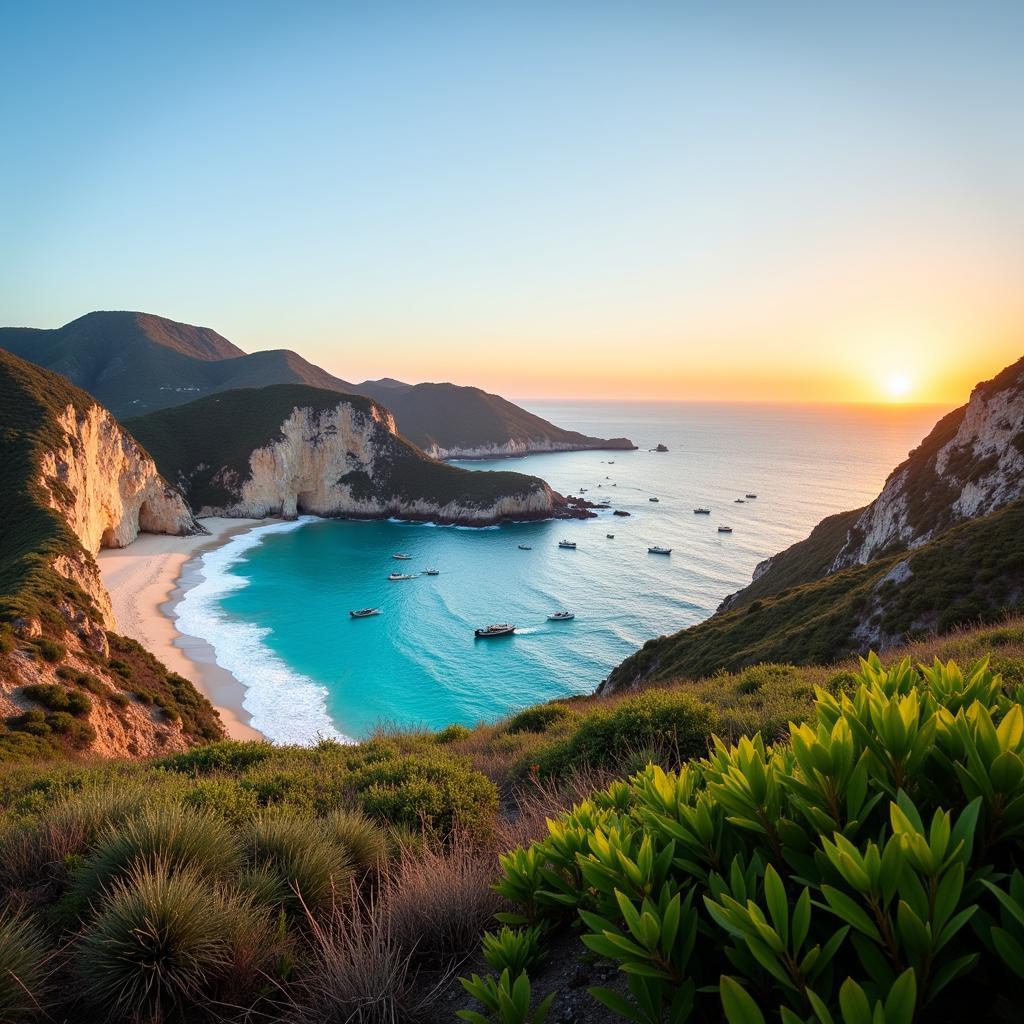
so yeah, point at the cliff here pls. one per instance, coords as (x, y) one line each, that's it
(285, 450)
(937, 548)
(74, 481)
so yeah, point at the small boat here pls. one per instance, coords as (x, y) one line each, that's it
(525, 547)
(364, 613)
(571, 544)
(725, 529)
(751, 495)
(611, 462)
(654, 549)
(500, 629)
(395, 576)
(561, 616)
(610, 536)
(431, 572)
(702, 511)
(739, 501)
(652, 499)
(402, 556)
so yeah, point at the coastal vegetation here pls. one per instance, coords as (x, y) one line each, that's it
(627, 855)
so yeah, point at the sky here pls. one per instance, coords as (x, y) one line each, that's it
(687, 200)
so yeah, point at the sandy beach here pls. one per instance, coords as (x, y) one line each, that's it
(144, 580)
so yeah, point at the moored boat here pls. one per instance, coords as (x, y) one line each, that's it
(499, 629)
(401, 576)
(402, 556)
(739, 501)
(656, 549)
(571, 544)
(610, 536)
(431, 572)
(561, 616)
(702, 511)
(725, 529)
(364, 613)
(525, 547)
(652, 499)
(751, 495)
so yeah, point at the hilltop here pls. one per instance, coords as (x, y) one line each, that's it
(288, 449)
(135, 363)
(449, 421)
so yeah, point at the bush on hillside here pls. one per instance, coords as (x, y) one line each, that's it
(872, 859)
(656, 725)
(538, 718)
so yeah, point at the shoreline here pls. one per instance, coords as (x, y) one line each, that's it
(146, 581)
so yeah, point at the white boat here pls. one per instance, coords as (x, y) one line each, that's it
(725, 529)
(561, 616)
(702, 511)
(500, 629)
(431, 572)
(525, 547)
(395, 576)
(654, 549)
(652, 499)
(364, 613)
(571, 544)
(402, 556)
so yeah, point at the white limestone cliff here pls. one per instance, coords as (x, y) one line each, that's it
(108, 490)
(517, 448)
(979, 469)
(340, 462)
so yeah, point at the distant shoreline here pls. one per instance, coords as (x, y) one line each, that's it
(146, 581)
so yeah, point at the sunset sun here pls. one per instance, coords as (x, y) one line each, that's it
(898, 386)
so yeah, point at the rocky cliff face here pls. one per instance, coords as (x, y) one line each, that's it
(108, 490)
(284, 451)
(971, 464)
(74, 481)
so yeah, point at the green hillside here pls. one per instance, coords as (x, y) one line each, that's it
(209, 441)
(973, 572)
(451, 417)
(135, 362)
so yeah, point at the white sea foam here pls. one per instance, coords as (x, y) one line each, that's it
(285, 705)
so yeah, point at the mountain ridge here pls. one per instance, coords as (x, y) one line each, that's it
(135, 363)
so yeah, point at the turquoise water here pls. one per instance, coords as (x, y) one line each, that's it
(275, 602)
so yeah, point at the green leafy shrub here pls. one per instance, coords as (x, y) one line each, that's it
(669, 725)
(56, 698)
(538, 718)
(49, 650)
(451, 734)
(513, 949)
(508, 1001)
(867, 868)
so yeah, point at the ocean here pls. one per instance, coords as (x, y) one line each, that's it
(274, 602)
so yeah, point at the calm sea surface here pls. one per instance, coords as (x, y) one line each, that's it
(274, 602)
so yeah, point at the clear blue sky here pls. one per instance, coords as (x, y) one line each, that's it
(707, 199)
